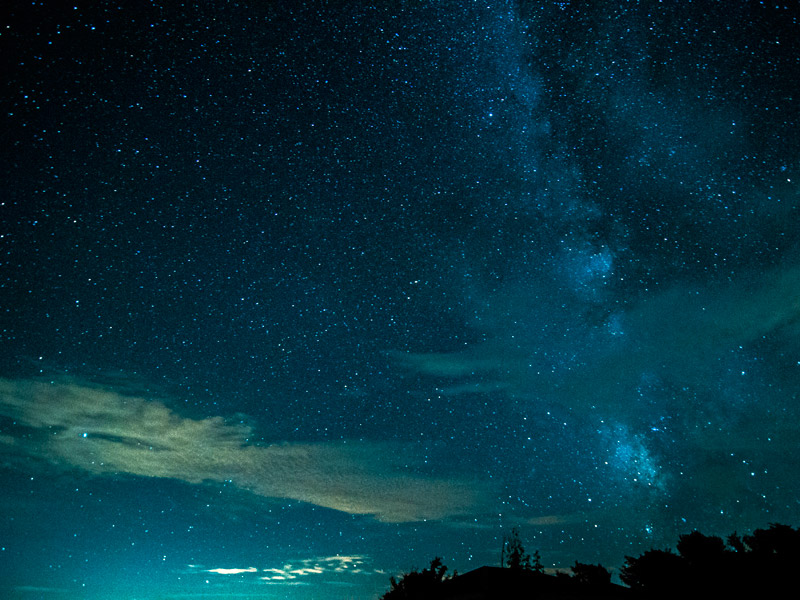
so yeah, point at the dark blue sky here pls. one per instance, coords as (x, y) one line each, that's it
(295, 297)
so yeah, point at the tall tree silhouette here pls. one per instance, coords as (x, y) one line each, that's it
(418, 585)
(536, 565)
(514, 552)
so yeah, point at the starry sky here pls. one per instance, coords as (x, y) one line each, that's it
(295, 296)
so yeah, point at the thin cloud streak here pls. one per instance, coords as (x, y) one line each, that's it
(679, 333)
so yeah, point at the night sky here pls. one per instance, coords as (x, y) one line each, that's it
(295, 296)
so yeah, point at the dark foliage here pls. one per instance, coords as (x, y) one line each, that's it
(653, 570)
(779, 541)
(590, 574)
(756, 565)
(699, 549)
(418, 585)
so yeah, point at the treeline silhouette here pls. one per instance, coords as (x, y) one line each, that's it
(758, 565)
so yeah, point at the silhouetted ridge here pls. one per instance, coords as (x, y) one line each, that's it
(760, 565)
(487, 583)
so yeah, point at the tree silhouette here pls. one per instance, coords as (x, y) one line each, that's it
(707, 561)
(655, 571)
(779, 540)
(418, 585)
(758, 565)
(537, 565)
(774, 555)
(735, 541)
(514, 552)
(700, 549)
(590, 574)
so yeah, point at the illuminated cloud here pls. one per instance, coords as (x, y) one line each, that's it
(302, 571)
(108, 433)
(232, 571)
(318, 566)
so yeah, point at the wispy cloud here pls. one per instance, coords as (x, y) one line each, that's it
(104, 432)
(681, 333)
(443, 364)
(554, 520)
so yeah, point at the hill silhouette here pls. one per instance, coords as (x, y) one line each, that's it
(497, 582)
(760, 565)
